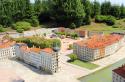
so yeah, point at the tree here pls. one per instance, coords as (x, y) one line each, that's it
(73, 57)
(28, 9)
(105, 8)
(5, 20)
(68, 11)
(115, 11)
(122, 10)
(87, 6)
(12, 11)
(95, 8)
(38, 7)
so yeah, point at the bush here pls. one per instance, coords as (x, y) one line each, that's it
(40, 42)
(20, 30)
(34, 22)
(60, 33)
(109, 20)
(73, 57)
(2, 29)
(22, 25)
(74, 35)
(72, 26)
(70, 47)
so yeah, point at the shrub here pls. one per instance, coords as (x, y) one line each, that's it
(74, 35)
(70, 47)
(60, 33)
(73, 57)
(20, 30)
(109, 20)
(2, 29)
(22, 25)
(34, 21)
(72, 25)
(40, 42)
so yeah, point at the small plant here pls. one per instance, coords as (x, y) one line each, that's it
(73, 57)
(2, 29)
(20, 30)
(72, 26)
(34, 21)
(70, 47)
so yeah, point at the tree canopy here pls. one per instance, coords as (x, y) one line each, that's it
(67, 13)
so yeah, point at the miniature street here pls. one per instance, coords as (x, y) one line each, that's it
(67, 72)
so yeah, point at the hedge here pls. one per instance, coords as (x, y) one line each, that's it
(39, 42)
(109, 20)
(21, 25)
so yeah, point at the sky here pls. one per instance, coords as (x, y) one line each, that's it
(112, 1)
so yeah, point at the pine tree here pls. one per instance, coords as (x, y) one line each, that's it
(96, 8)
(69, 11)
(38, 7)
(122, 9)
(87, 6)
(105, 8)
(115, 11)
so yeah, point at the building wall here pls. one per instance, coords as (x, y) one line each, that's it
(7, 53)
(88, 54)
(83, 53)
(42, 60)
(49, 61)
(117, 78)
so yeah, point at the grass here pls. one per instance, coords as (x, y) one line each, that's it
(83, 64)
(104, 75)
(105, 28)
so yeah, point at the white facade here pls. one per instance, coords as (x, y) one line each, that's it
(42, 60)
(49, 62)
(117, 78)
(90, 54)
(6, 53)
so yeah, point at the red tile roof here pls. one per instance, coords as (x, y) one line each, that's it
(48, 50)
(120, 71)
(99, 41)
(6, 43)
(37, 50)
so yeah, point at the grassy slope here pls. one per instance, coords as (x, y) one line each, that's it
(105, 28)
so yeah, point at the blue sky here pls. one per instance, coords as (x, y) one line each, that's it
(112, 1)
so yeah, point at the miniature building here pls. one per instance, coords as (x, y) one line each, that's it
(118, 75)
(98, 46)
(7, 49)
(45, 59)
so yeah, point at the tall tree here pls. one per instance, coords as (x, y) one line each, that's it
(87, 6)
(68, 12)
(95, 8)
(115, 11)
(105, 8)
(38, 7)
(29, 9)
(122, 9)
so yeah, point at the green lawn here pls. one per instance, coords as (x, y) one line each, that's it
(105, 28)
(83, 64)
(104, 75)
